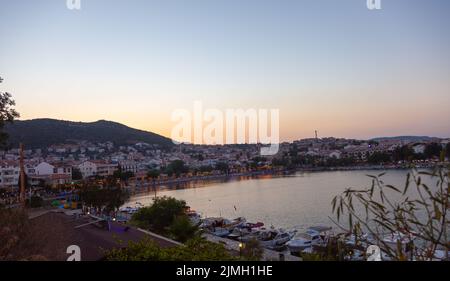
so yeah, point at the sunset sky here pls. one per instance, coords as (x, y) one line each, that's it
(327, 65)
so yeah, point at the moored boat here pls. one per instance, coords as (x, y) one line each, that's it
(314, 236)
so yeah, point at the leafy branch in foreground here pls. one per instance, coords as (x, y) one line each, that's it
(415, 212)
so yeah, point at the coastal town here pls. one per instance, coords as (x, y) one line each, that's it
(224, 140)
(63, 164)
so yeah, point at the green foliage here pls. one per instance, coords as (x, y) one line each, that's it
(147, 250)
(252, 250)
(379, 157)
(39, 133)
(312, 257)
(223, 167)
(76, 174)
(7, 114)
(447, 150)
(123, 176)
(403, 153)
(406, 153)
(153, 174)
(160, 215)
(182, 229)
(205, 169)
(432, 150)
(105, 198)
(383, 209)
(177, 168)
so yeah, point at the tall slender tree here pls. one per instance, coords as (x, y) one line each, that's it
(7, 114)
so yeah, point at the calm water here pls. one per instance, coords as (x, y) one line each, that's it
(296, 201)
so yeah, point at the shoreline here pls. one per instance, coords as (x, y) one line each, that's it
(208, 180)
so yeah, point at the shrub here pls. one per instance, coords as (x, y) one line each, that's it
(423, 214)
(252, 250)
(182, 229)
(147, 250)
(160, 215)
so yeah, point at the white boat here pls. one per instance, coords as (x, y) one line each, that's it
(271, 238)
(129, 210)
(314, 236)
(396, 239)
(207, 223)
(358, 240)
(212, 223)
(194, 217)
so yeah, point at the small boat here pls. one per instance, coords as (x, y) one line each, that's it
(314, 236)
(398, 239)
(208, 223)
(129, 210)
(270, 238)
(220, 232)
(244, 229)
(194, 217)
(357, 240)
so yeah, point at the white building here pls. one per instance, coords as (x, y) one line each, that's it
(336, 154)
(129, 166)
(9, 173)
(97, 168)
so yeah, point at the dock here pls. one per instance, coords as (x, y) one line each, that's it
(268, 255)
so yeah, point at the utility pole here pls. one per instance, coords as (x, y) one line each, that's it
(22, 178)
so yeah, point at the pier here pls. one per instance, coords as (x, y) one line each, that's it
(234, 246)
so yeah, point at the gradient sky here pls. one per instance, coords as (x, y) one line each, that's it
(329, 65)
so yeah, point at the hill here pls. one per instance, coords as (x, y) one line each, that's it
(41, 133)
(407, 138)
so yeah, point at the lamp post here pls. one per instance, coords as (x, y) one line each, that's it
(240, 249)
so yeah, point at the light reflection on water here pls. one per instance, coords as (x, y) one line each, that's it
(297, 201)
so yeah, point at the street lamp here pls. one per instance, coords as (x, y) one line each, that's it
(240, 249)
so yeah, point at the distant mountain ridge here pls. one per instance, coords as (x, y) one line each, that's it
(41, 133)
(406, 138)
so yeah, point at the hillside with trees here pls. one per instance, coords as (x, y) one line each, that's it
(41, 133)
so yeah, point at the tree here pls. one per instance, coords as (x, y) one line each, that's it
(379, 157)
(160, 215)
(447, 150)
(419, 211)
(403, 153)
(223, 167)
(76, 174)
(182, 229)
(7, 113)
(153, 174)
(104, 198)
(177, 168)
(433, 150)
(123, 176)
